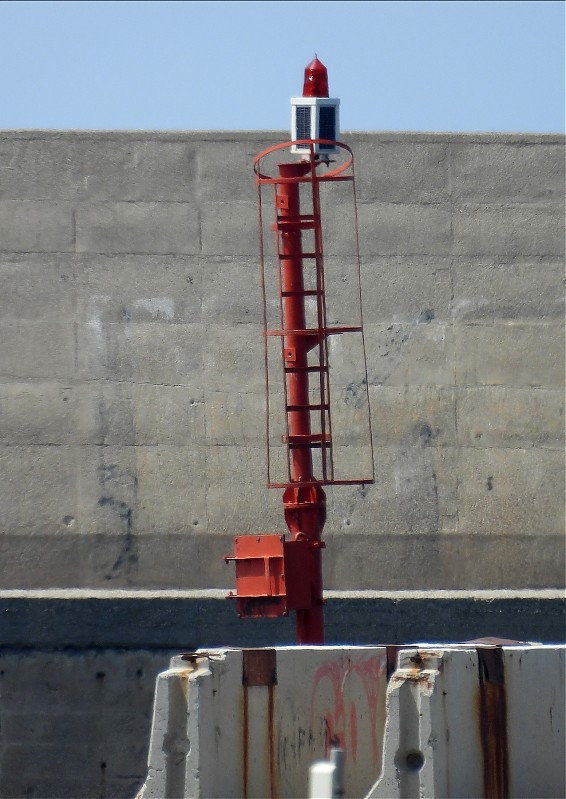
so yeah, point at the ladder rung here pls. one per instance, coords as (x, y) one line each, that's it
(298, 218)
(318, 407)
(319, 332)
(302, 369)
(309, 332)
(304, 293)
(294, 222)
(312, 441)
(284, 256)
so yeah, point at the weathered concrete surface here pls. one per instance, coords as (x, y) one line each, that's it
(461, 722)
(176, 620)
(76, 723)
(265, 715)
(131, 386)
(451, 721)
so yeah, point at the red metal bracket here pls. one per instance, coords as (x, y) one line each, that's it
(269, 575)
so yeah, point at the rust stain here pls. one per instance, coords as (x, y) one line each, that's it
(245, 741)
(493, 723)
(410, 675)
(271, 734)
(259, 667)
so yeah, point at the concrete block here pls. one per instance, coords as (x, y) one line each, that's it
(139, 288)
(236, 497)
(106, 413)
(450, 560)
(421, 767)
(235, 419)
(38, 492)
(170, 415)
(225, 170)
(168, 354)
(507, 172)
(501, 417)
(487, 290)
(37, 168)
(407, 290)
(38, 286)
(41, 350)
(88, 685)
(38, 413)
(288, 723)
(164, 474)
(350, 413)
(43, 559)
(138, 228)
(128, 414)
(59, 706)
(348, 393)
(186, 559)
(420, 354)
(342, 289)
(395, 229)
(508, 230)
(415, 491)
(141, 170)
(233, 358)
(471, 691)
(402, 172)
(16, 760)
(118, 558)
(513, 355)
(229, 228)
(408, 416)
(28, 226)
(79, 166)
(504, 491)
(109, 498)
(352, 462)
(65, 727)
(231, 291)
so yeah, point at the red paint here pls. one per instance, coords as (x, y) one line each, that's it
(316, 80)
(341, 730)
(354, 731)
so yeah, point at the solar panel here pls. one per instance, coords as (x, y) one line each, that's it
(327, 125)
(303, 124)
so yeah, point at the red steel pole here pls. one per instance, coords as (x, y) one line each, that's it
(305, 505)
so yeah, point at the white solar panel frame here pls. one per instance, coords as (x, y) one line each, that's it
(315, 104)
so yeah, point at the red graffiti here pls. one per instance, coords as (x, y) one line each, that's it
(340, 730)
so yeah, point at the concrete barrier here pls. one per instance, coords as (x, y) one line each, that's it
(249, 723)
(481, 721)
(471, 720)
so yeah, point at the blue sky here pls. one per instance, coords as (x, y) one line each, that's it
(436, 66)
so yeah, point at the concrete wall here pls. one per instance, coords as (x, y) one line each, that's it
(131, 400)
(131, 429)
